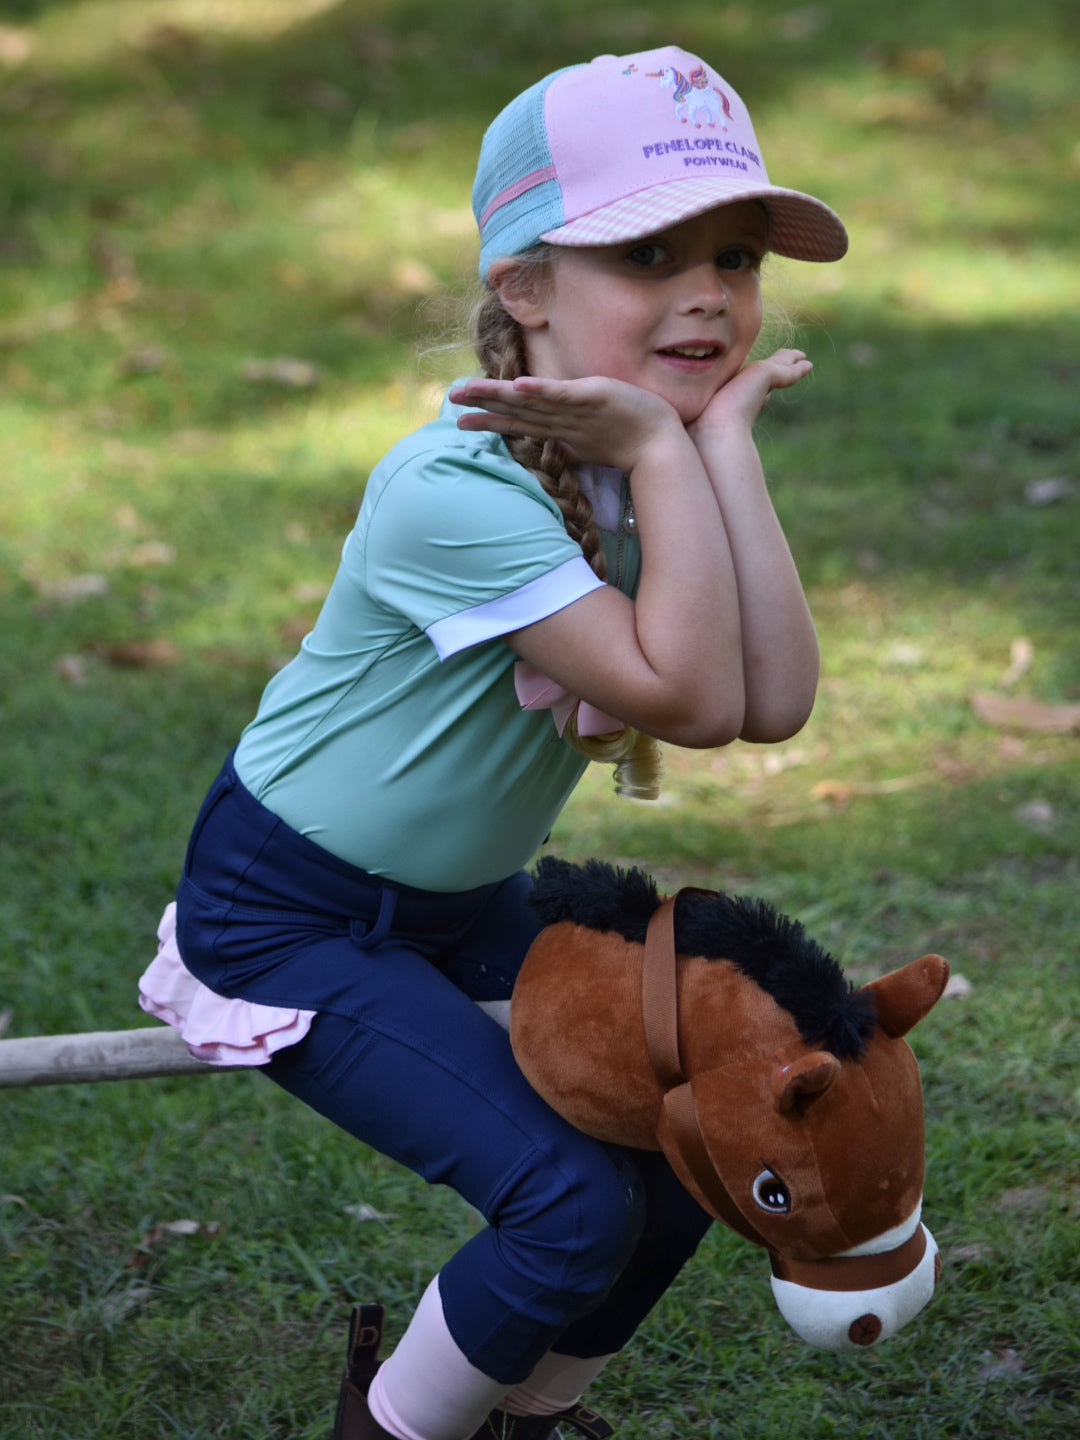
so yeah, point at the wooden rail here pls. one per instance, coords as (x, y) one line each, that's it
(141, 1054)
(98, 1055)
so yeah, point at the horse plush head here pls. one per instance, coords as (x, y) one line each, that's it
(786, 1100)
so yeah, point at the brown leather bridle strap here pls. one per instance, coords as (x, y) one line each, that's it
(854, 1272)
(660, 1011)
(690, 1145)
(660, 996)
(660, 990)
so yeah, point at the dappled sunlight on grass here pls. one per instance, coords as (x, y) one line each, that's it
(235, 253)
(251, 194)
(961, 283)
(261, 190)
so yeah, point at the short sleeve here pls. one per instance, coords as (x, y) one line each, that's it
(453, 530)
(535, 601)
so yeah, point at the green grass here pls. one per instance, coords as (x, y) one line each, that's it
(188, 187)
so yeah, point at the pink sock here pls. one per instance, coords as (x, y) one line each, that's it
(427, 1390)
(558, 1382)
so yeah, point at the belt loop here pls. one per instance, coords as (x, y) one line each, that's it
(367, 939)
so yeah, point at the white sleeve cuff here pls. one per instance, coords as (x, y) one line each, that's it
(535, 601)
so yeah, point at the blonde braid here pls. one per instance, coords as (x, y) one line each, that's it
(500, 348)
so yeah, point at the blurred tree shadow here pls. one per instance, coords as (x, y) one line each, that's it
(415, 61)
(222, 100)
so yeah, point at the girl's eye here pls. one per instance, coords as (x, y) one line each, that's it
(772, 1194)
(648, 255)
(737, 260)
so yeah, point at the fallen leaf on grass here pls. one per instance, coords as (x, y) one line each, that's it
(1021, 655)
(904, 656)
(1038, 814)
(151, 553)
(144, 360)
(959, 987)
(977, 1252)
(72, 668)
(365, 1212)
(801, 24)
(180, 1227)
(410, 278)
(285, 370)
(112, 258)
(121, 1303)
(863, 355)
(1024, 1199)
(15, 46)
(1021, 714)
(69, 313)
(164, 1230)
(310, 592)
(72, 588)
(842, 792)
(176, 41)
(837, 792)
(927, 60)
(996, 1364)
(139, 654)
(1045, 492)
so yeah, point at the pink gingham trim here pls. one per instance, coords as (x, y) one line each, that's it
(801, 227)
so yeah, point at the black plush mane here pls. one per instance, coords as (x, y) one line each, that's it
(769, 948)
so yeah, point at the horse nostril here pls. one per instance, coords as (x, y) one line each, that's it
(865, 1330)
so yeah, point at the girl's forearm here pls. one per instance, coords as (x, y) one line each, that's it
(687, 606)
(779, 644)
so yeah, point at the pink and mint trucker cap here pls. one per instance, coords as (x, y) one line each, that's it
(627, 145)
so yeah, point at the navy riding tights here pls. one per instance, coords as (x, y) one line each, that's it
(582, 1237)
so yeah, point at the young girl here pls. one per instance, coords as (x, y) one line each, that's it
(581, 546)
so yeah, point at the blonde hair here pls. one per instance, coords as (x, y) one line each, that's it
(500, 347)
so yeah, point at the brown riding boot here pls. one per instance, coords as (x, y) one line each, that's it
(354, 1421)
(501, 1426)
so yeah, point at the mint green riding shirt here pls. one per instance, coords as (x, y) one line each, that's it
(395, 739)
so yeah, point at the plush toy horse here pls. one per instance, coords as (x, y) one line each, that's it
(787, 1102)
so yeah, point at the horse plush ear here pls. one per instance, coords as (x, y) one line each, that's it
(904, 996)
(809, 1076)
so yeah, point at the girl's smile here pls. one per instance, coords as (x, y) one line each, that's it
(676, 313)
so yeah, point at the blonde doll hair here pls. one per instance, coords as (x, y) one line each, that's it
(500, 348)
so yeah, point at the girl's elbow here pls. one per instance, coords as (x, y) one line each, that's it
(707, 728)
(771, 726)
(716, 721)
(778, 705)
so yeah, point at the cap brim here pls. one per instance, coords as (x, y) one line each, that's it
(800, 226)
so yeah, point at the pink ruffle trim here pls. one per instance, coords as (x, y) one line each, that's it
(536, 692)
(216, 1030)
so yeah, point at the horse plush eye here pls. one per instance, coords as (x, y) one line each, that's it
(772, 1194)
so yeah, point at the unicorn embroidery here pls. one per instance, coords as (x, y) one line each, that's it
(696, 101)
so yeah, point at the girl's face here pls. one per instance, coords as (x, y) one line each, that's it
(676, 313)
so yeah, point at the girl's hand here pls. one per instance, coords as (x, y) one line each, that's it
(746, 394)
(599, 421)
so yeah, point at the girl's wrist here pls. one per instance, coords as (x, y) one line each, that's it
(666, 452)
(724, 428)
(730, 450)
